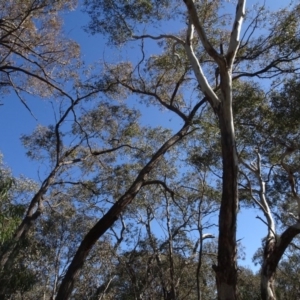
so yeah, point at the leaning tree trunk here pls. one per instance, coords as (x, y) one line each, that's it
(275, 245)
(273, 251)
(113, 214)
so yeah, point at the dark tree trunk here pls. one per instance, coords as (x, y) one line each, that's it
(88, 242)
(226, 270)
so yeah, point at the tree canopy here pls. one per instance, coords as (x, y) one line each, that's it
(128, 210)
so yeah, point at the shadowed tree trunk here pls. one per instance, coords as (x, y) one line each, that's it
(226, 271)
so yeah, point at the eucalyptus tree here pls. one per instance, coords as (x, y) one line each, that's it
(94, 143)
(13, 193)
(161, 256)
(69, 147)
(270, 174)
(35, 55)
(140, 179)
(167, 258)
(96, 147)
(42, 257)
(195, 66)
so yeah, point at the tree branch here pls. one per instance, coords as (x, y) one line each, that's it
(193, 16)
(235, 33)
(204, 85)
(159, 37)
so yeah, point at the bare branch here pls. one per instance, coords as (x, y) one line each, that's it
(204, 85)
(201, 33)
(159, 37)
(162, 183)
(21, 98)
(153, 94)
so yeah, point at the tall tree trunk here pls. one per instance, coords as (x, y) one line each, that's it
(226, 271)
(226, 275)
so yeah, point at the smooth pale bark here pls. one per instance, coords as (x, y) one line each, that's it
(113, 214)
(226, 270)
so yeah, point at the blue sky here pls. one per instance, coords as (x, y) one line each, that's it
(16, 120)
